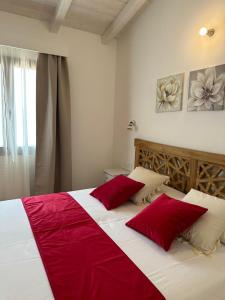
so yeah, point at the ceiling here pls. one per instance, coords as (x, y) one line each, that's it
(104, 17)
(93, 15)
(88, 15)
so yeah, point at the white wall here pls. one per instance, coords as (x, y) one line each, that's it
(92, 77)
(164, 40)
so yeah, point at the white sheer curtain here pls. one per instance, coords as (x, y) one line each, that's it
(17, 121)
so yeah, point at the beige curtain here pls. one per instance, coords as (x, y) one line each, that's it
(53, 146)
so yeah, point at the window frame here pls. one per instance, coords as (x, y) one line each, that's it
(31, 150)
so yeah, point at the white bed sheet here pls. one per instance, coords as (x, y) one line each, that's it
(180, 274)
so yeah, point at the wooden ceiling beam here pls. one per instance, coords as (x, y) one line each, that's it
(124, 17)
(60, 13)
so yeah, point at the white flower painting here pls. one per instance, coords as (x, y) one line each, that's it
(169, 93)
(207, 89)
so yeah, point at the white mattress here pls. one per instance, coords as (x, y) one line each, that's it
(180, 274)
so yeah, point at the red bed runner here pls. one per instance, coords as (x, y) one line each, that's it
(81, 260)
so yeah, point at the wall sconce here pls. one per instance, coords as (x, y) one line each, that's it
(132, 125)
(204, 31)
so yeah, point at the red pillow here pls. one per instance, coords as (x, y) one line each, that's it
(116, 191)
(165, 218)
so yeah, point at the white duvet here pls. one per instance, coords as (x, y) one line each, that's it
(180, 274)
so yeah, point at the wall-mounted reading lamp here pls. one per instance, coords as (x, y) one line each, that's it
(132, 125)
(205, 31)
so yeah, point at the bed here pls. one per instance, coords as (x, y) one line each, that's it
(180, 274)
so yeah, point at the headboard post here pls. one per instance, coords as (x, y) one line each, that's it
(137, 155)
(187, 168)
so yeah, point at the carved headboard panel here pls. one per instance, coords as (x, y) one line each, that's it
(187, 168)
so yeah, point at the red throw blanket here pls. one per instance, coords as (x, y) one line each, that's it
(80, 259)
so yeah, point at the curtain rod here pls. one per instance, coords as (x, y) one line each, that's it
(36, 51)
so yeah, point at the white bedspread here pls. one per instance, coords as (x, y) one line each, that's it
(180, 274)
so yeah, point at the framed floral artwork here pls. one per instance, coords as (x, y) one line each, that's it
(207, 89)
(169, 94)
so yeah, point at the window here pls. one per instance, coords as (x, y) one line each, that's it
(1, 116)
(25, 82)
(24, 95)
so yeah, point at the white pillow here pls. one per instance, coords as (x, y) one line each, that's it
(206, 232)
(171, 192)
(153, 181)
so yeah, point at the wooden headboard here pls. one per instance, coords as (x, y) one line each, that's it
(187, 168)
